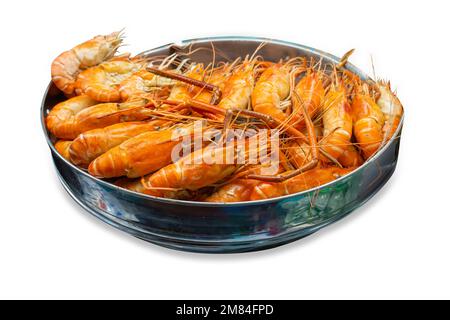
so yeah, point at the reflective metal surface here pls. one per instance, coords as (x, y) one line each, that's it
(226, 228)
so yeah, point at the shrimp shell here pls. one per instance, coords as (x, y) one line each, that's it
(272, 87)
(66, 67)
(91, 144)
(391, 107)
(72, 117)
(140, 155)
(63, 146)
(235, 191)
(102, 82)
(311, 92)
(337, 122)
(61, 119)
(238, 88)
(191, 172)
(368, 126)
(302, 182)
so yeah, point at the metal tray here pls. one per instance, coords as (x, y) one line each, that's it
(225, 228)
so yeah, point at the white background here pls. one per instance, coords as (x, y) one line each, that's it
(396, 246)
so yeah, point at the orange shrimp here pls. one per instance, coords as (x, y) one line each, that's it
(182, 92)
(337, 122)
(91, 144)
(63, 146)
(273, 86)
(238, 87)
(302, 182)
(140, 155)
(391, 107)
(240, 188)
(143, 82)
(79, 114)
(369, 121)
(235, 191)
(301, 154)
(102, 82)
(139, 84)
(216, 77)
(62, 115)
(66, 67)
(311, 93)
(191, 172)
(350, 157)
(270, 89)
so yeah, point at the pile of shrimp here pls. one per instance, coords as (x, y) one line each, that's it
(122, 113)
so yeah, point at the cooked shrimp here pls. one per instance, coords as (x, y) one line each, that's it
(274, 86)
(391, 107)
(62, 146)
(216, 78)
(181, 91)
(102, 82)
(238, 88)
(93, 143)
(72, 117)
(139, 84)
(142, 83)
(337, 122)
(350, 157)
(270, 89)
(299, 153)
(369, 121)
(240, 188)
(302, 182)
(191, 172)
(311, 93)
(140, 155)
(66, 67)
(60, 120)
(235, 191)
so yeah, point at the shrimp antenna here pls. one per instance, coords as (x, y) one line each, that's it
(344, 59)
(373, 67)
(121, 33)
(260, 46)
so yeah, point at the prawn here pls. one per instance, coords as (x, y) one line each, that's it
(143, 82)
(63, 146)
(72, 117)
(140, 155)
(311, 93)
(66, 67)
(91, 144)
(238, 88)
(301, 182)
(102, 82)
(182, 92)
(350, 157)
(239, 188)
(301, 154)
(369, 121)
(62, 115)
(235, 191)
(391, 107)
(191, 172)
(337, 122)
(271, 88)
(217, 78)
